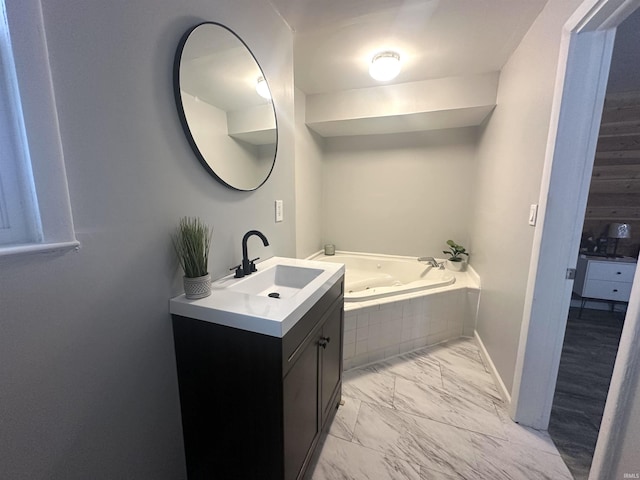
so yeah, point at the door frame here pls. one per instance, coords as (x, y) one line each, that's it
(583, 68)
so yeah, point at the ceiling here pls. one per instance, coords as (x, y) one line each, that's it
(335, 39)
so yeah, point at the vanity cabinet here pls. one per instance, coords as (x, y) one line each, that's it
(254, 406)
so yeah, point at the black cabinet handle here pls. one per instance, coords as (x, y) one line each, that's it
(618, 273)
(324, 341)
(615, 289)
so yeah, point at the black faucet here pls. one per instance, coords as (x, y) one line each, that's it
(248, 266)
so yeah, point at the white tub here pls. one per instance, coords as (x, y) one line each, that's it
(408, 305)
(370, 277)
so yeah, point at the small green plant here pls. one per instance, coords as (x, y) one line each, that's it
(191, 243)
(455, 251)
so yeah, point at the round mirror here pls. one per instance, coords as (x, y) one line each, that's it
(225, 106)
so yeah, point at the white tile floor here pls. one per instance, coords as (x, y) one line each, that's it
(433, 414)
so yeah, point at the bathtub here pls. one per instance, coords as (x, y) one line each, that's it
(370, 277)
(394, 305)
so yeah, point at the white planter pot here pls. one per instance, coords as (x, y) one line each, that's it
(198, 287)
(457, 266)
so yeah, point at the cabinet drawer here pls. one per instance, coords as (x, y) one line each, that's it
(618, 291)
(609, 271)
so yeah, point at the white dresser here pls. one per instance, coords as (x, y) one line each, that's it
(602, 278)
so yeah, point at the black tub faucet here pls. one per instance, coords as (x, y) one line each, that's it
(248, 266)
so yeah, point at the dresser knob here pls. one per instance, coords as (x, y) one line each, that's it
(618, 273)
(615, 289)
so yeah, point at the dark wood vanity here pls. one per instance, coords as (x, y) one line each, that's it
(254, 406)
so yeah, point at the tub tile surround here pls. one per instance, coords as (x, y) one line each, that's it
(383, 328)
(402, 420)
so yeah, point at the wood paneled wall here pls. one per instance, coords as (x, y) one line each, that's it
(614, 196)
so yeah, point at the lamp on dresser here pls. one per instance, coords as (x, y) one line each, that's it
(618, 231)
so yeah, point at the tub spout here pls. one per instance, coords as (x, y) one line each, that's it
(432, 261)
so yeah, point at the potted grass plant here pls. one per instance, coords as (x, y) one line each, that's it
(455, 261)
(191, 242)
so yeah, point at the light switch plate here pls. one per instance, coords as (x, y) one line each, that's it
(533, 214)
(279, 211)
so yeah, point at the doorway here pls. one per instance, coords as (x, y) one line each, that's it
(606, 264)
(580, 89)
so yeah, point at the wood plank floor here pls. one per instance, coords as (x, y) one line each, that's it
(588, 355)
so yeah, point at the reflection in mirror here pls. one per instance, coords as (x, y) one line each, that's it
(230, 125)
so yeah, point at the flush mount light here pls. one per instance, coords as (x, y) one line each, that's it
(263, 89)
(385, 66)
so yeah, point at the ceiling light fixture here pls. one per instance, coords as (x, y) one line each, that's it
(263, 89)
(385, 66)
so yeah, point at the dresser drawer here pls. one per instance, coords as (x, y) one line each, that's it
(610, 271)
(618, 291)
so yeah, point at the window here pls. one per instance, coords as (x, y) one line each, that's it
(35, 212)
(19, 217)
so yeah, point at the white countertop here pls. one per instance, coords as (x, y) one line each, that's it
(602, 258)
(259, 314)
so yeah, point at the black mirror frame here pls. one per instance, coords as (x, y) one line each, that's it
(183, 118)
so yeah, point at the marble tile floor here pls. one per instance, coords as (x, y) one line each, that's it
(588, 355)
(432, 414)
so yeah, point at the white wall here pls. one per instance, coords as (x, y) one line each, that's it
(87, 368)
(402, 194)
(626, 459)
(510, 159)
(308, 187)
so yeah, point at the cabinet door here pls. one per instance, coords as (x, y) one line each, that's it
(331, 360)
(300, 410)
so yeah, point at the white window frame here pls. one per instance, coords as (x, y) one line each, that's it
(49, 225)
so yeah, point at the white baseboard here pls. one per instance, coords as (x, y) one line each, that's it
(502, 389)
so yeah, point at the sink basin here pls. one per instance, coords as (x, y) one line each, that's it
(279, 281)
(269, 301)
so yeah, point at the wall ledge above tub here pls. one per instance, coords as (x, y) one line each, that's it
(451, 102)
(473, 275)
